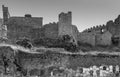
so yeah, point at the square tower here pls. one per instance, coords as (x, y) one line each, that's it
(65, 22)
(65, 26)
(5, 14)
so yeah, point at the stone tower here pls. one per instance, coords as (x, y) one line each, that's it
(65, 21)
(5, 14)
(65, 26)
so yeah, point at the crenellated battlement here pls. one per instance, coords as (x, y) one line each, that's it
(95, 28)
(52, 23)
(65, 18)
(111, 26)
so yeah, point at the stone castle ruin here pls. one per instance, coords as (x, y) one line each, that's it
(66, 27)
(95, 28)
(65, 22)
(33, 28)
(6, 14)
(110, 31)
(22, 63)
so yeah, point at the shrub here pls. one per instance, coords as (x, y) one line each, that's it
(25, 43)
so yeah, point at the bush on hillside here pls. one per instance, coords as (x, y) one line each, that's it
(24, 42)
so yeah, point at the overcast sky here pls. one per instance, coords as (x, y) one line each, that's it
(85, 13)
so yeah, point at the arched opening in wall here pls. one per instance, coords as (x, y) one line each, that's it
(115, 40)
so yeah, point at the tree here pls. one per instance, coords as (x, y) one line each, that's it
(66, 38)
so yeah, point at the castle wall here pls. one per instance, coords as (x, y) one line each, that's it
(37, 33)
(104, 39)
(88, 38)
(35, 22)
(111, 27)
(16, 32)
(51, 30)
(114, 27)
(93, 38)
(95, 29)
(75, 32)
(19, 27)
